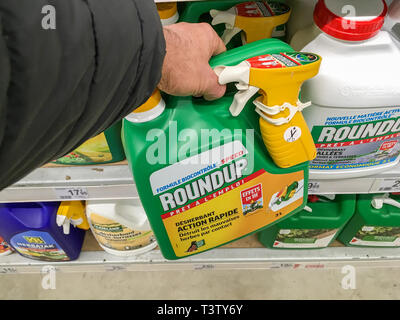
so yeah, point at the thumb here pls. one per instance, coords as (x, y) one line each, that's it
(213, 89)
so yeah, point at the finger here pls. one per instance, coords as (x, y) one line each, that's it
(213, 90)
(219, 46)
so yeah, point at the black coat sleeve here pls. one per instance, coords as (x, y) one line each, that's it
(60, 86)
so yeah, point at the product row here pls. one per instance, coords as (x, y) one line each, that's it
(312, 86)
(55, 231)
(351, 102)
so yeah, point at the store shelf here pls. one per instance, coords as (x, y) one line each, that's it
(246, 253)
(388, 181)
(115, 182)
(49, 184)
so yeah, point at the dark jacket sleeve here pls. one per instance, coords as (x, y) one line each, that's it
(59, 87)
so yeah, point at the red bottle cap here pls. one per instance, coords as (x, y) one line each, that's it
(351, 20)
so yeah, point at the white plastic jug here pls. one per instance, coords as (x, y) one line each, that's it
(355, 112)
(121, 226)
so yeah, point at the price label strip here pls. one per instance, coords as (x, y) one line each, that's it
(389, 185)
(71, 193)
(313, 186)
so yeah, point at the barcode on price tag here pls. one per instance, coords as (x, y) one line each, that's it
(389, 185)
(72, 193)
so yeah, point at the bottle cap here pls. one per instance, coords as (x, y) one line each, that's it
(150, 110)
(351, 20)
(168, 12)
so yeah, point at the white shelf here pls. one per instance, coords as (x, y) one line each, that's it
(101, 182)
(115, 182)
(388, 181)
(223, 258)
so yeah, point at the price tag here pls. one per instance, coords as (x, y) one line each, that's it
(72, 193)
(389, 185)
(8, 270)
(313, 186)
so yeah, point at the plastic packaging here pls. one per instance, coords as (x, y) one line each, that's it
(199, 11)
(376, 222)
(72, 213)
(121, 227)
(168, 12)
(103, 148)
(257, 19)
(278, 78)
(314, 227)
(32, 231)
(204, 177)
(355, 114)
(5, 248)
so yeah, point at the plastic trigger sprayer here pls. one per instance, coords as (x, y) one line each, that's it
(72, 212)
(278, 78)
(257, 19)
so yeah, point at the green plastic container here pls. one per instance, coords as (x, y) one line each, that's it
(177, 157)
(199, 11)
(371, 227)
(311, 230)
(103, 148)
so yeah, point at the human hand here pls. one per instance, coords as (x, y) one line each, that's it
(186, 70)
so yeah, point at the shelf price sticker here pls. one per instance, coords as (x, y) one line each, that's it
(72, 193)
(313, 186)
(389, 185)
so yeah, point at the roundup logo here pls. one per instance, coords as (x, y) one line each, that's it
(327, 134)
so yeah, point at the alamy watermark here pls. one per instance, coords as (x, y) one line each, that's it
(198, 147)
(349, 280)
(48, 278)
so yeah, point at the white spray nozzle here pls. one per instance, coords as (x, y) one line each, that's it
(378, 202)
(228, 18)
(308, 209)
(241, 75)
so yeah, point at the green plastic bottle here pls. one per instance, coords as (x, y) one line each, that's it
(316, 226)
(199, 11)
(106, 147)
(204, 177)
(376, 222)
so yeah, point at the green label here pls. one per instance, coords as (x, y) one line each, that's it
(372, 233)
(301, 235)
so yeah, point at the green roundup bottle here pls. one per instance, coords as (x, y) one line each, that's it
(205, 177)
(316, 226)
(376, 222)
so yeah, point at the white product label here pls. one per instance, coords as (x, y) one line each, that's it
(354, 140)
(367, 229)
(193, 167)
(292, 134)
(304, 238)
(72, 193)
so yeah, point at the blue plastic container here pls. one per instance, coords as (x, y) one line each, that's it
(32, 231)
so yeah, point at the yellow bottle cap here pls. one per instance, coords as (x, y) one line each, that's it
(150, 110)
(151, 103)
(168, 12)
